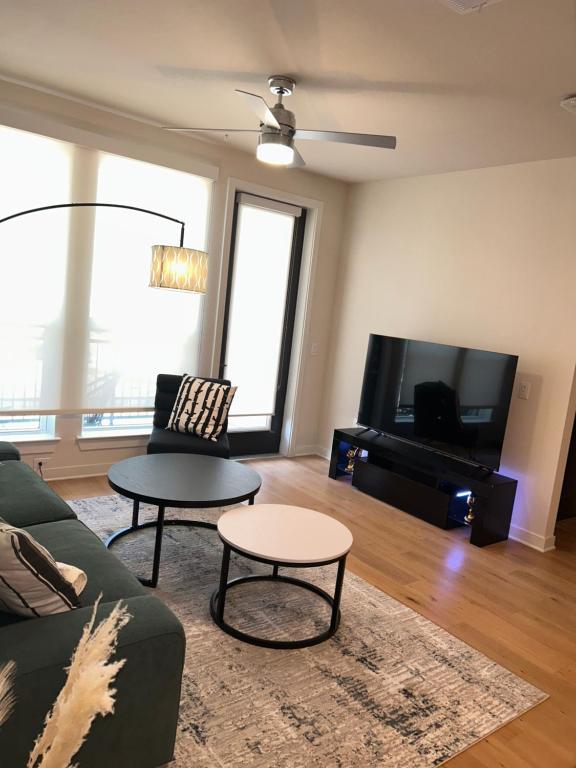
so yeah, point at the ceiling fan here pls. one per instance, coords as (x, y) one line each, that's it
(278, 131)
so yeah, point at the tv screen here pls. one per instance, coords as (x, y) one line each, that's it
(451, 399)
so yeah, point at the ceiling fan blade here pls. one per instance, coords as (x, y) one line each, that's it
(298, 161)
(260, 108)
(364, 139)
(210, 130)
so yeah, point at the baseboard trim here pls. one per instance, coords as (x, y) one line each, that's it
(532, 540)
(74, 473)
(311, 450)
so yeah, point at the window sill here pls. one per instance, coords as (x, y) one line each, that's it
(107, 438)
(37, 437)
(28, 444)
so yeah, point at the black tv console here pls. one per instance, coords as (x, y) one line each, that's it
(428, 485)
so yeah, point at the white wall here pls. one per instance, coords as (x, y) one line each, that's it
(482, 259)
(85, 125)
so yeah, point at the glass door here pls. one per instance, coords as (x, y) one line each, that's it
(263, 277)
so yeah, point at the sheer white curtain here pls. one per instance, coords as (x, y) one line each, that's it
(135, 331)
(34, 171)
(79, 326)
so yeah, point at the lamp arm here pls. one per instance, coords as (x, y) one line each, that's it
(99, 205)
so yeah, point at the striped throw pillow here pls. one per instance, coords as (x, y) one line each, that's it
(201, 407)
(31, 583)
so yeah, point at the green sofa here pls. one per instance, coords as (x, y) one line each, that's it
(141, 732)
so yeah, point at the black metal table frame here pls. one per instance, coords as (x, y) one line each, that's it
(218, 599)
(160, 522)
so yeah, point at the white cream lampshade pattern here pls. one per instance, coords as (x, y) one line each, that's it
(183, 269)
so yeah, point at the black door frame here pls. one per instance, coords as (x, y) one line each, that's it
(267, 441)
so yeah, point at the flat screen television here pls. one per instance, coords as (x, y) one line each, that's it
(453, 400)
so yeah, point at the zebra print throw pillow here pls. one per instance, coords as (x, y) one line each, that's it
(201, 407)
(31, 583)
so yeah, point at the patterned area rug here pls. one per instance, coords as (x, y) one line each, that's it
(390, 689)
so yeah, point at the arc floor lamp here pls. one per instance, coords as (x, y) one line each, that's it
(176, 267)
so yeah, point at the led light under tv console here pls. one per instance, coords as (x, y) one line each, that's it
(429, 485)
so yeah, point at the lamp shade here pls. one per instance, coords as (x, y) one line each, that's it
(182, 269)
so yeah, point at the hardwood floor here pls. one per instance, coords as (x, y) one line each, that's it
(514, 604)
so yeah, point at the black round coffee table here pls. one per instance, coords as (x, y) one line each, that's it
(179, 480)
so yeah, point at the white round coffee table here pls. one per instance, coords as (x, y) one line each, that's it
(281, 536)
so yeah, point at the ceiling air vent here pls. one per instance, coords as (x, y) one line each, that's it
(468, 6)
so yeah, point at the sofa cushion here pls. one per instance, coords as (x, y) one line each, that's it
(70, 541)
(166, 441)
(25, 499)
(8, 452)
(31, 584)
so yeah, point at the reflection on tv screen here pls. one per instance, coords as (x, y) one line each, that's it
(451, 399)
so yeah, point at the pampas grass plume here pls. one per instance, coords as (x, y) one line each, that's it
(6, 692)
(87, 693)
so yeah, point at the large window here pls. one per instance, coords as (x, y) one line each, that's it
(33, 253)
(79, 327)
(137, 332)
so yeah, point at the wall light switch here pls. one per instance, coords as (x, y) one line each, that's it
(524, 390)
(315, 348)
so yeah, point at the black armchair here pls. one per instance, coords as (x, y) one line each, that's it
(163, 440)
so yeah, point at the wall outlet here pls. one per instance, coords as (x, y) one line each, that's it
(524, 390)
(315, 348)
(39, 463)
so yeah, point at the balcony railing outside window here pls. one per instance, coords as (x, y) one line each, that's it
(121, 422)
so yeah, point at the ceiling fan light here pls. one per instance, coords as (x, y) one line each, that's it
(275, 154)
(275, 150)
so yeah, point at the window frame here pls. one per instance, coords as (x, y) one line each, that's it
(268, 440)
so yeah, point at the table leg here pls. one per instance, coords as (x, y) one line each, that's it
(135, 510)
(223, 582)
(251, 501)
(157, 547)
(275, 570)
(338, 593)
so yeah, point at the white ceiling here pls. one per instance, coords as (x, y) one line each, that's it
(458, 91)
